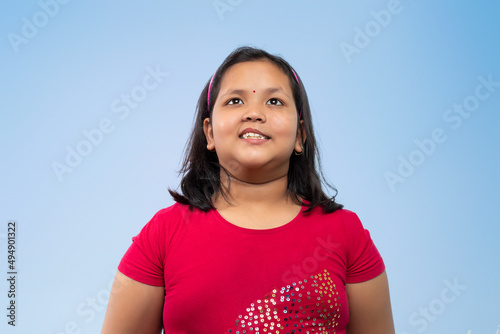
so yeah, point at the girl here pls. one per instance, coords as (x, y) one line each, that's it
(253, 244)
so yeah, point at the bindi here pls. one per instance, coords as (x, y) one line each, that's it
(254, 91)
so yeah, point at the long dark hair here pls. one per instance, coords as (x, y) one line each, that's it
(201, 170)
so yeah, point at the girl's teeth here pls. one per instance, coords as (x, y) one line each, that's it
(251, 135)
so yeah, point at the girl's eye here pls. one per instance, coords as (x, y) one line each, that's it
(275, 102)
(235, 101)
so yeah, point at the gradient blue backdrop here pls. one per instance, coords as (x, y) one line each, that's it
(66, 65)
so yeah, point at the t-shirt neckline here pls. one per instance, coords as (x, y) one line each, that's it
(261, 231)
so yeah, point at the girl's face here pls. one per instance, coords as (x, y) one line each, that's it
(254, 122)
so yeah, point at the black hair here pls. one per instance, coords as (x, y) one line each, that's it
(201, 169)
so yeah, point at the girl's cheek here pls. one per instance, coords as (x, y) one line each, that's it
(284, 125)
(224, 126)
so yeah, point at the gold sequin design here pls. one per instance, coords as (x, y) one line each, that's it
(308, 306)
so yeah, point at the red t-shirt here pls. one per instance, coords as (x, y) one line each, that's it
(222, 278)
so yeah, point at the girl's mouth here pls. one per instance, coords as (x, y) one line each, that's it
(252, 135)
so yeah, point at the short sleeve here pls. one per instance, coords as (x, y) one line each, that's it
(144, 259)
(363, 261)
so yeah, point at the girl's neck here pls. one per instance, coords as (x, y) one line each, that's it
(243, 193)
(260, 205)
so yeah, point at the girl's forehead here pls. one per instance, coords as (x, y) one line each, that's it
(259, 72)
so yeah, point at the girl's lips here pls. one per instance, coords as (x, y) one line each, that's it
(253, 134)
(254, 141)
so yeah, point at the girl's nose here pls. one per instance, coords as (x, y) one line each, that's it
(254, 114)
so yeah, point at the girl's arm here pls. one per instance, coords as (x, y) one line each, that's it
(133, 307)
(370, 307)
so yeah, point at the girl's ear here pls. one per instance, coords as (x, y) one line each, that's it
(300, 140)
(209, 134)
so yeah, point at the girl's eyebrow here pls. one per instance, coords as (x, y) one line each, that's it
(278, 89)
(235, 92)
(269, 90)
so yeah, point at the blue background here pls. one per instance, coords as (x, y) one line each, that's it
(65, 67)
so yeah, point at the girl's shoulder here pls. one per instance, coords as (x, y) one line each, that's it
(339, 214)
(176, 214)
(343, 219)
(172, 210)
